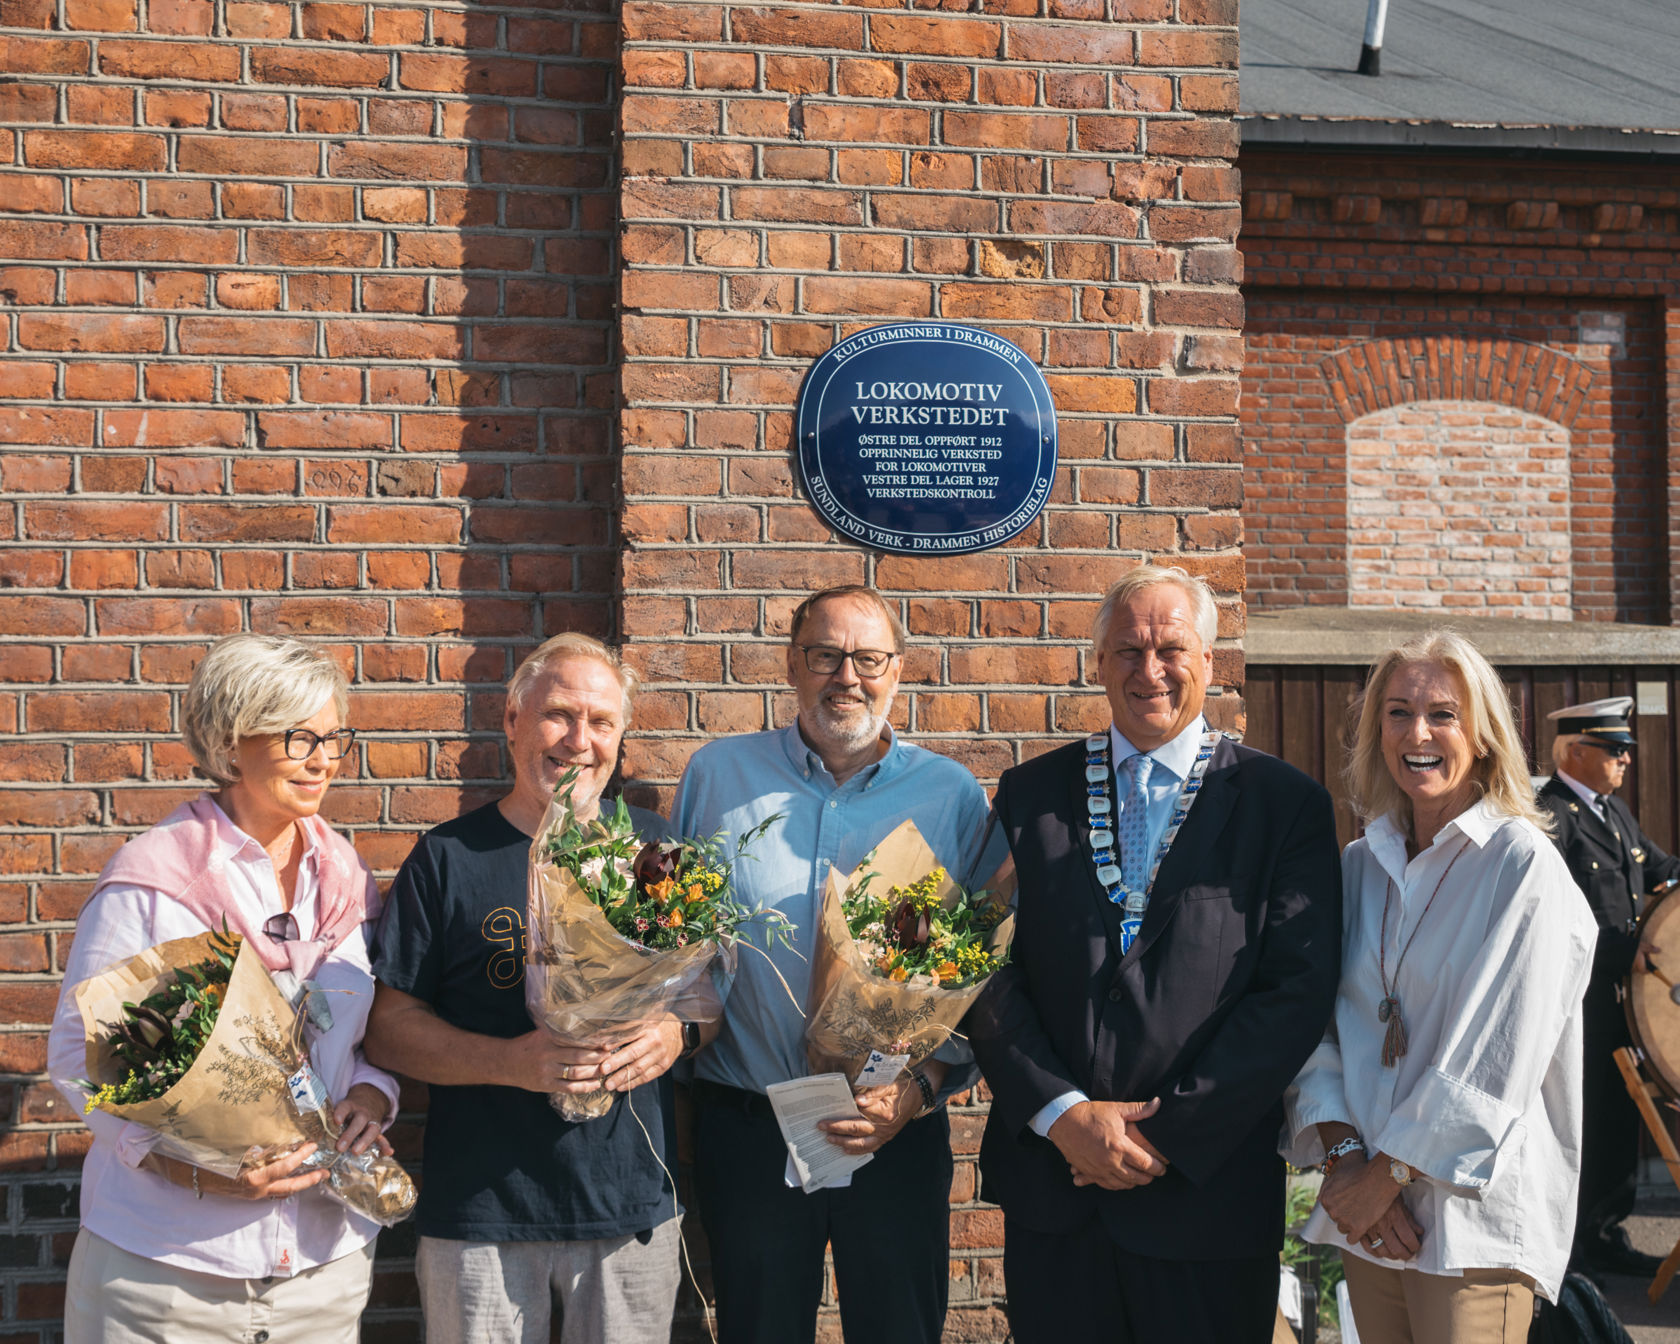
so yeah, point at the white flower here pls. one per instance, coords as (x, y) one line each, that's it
(592, 869)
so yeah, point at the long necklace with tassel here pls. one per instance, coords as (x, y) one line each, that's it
(1388, 1011)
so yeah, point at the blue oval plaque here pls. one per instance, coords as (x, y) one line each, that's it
(926, 438)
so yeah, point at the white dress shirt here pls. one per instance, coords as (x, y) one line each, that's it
(1170, 763)
(143, 1212)
(1486, 1102)
(1586, 795)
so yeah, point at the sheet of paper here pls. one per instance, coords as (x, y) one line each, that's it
(800, 1105)
(790, 1178)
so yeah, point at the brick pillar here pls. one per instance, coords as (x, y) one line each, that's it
(305, 327)
(1056, 173)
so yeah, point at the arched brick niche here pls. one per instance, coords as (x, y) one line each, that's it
(1461, 505)
(1376, 375)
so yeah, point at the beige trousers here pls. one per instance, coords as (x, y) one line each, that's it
(116, 1297)
(1400, 1306)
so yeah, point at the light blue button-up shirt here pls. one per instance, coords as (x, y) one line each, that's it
(732, 785)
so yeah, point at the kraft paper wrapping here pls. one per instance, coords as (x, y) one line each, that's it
(853, 1011)
(235, 1106)
(588, 983)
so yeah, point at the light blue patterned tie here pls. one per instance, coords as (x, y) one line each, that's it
(1134, 823)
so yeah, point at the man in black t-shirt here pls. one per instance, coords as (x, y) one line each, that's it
(518, 1207)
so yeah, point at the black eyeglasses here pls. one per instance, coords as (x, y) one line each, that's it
(282, 928)
(825, 661)
(301, 743)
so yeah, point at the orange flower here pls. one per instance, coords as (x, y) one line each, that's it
(946, 970)
(695, 893)
(899, 973)
(672, 920)
(661, 891)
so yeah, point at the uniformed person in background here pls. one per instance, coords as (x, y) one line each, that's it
(1618, 869)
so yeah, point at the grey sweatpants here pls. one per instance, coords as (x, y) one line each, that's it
(611, 1291)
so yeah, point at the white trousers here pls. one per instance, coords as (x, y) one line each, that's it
(116, 1297)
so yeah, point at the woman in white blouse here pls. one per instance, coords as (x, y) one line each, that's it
(169, 1252)
(1445, 1100)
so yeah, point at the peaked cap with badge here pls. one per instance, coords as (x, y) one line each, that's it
(1606, 720)
(1615, 864)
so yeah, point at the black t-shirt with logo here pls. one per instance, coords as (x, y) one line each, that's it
(500, 1163)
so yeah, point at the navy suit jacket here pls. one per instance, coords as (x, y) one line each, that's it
(1225, 993)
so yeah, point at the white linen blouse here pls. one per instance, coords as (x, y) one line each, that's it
(142, 1211)
(1486, 1102)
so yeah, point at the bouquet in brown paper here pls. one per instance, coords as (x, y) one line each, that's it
(193, 1039)
(623, 932)
(902, 952)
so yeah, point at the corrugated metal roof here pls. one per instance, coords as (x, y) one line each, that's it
(1547, 73)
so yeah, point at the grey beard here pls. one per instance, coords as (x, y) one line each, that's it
(848, 733)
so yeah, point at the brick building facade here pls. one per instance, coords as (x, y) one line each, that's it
(424, 330)
(1516, 314)
(1461, 280)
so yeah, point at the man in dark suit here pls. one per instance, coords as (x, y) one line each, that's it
(1140, 1040)
(1614, 864)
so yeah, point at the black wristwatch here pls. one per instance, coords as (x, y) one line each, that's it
(691, 1039)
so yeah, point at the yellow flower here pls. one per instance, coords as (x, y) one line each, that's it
(108, 1093)
(899, 973)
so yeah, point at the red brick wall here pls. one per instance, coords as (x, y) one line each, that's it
(307, 326)
(1056, 180)
(1520, 275)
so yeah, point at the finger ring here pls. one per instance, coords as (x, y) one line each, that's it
(566, 1072)
(1376, 1243)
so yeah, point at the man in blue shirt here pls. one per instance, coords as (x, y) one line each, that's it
(841, 780)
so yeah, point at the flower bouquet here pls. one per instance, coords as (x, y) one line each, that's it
(191, 1038)
(901, 954)
(622, 932)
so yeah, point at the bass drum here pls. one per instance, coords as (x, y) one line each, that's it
(1649, 997)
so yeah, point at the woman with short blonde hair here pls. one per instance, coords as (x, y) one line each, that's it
(168, 1252)
(1444, 1104)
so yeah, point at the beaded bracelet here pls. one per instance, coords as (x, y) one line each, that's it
(926, 1089)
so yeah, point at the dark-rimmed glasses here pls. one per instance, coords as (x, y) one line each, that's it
(825, 661)
(301, 743)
